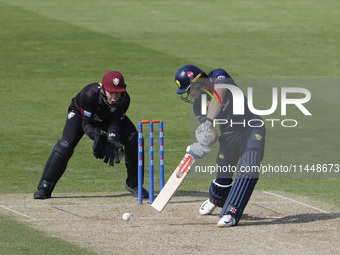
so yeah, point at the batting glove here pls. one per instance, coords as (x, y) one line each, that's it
(198, 150)
(204, 133)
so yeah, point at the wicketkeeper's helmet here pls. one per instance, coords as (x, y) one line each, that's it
(187, 75)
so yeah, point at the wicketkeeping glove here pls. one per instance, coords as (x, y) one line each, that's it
(114, 151)
(99, 144)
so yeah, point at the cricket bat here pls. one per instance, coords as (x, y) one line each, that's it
(173, 183)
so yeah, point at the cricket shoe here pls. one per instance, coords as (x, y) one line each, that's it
(226, 221)
(41, 194)
(207, 207)
(134, 191)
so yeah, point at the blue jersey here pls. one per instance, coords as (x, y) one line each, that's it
(220, 76)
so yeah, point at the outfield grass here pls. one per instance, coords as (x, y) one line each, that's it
(17, 238)
(51, 50)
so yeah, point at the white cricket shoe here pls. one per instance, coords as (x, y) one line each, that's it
(207, 208)
(226, 221)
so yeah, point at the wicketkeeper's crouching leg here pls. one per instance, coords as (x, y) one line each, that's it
(131, 162)
(54, 169)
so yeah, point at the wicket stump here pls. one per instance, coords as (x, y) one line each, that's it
(151, 158)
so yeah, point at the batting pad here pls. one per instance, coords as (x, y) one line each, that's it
(239, 196)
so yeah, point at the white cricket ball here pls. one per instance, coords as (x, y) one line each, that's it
(126, 216)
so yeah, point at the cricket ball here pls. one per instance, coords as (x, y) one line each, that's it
(126, 216)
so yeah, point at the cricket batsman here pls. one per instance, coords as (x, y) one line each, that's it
(98, 111)
(241, 140)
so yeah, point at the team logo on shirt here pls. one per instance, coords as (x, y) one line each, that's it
(116, 81)
(257, 137)
(86, 113)
(97, 118)
(70, 115)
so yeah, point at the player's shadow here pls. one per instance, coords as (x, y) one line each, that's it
(200, 195)
(290, 219)
(92, 196)
(195, 196)
(191, 194)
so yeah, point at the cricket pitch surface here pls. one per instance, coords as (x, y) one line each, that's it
(273, 223)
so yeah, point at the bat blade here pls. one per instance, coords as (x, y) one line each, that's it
(173, 183)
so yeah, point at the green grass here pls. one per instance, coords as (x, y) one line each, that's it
(17, 238)
(51, 50)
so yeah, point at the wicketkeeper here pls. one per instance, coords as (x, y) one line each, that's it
(244, 140)
(98, 110)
